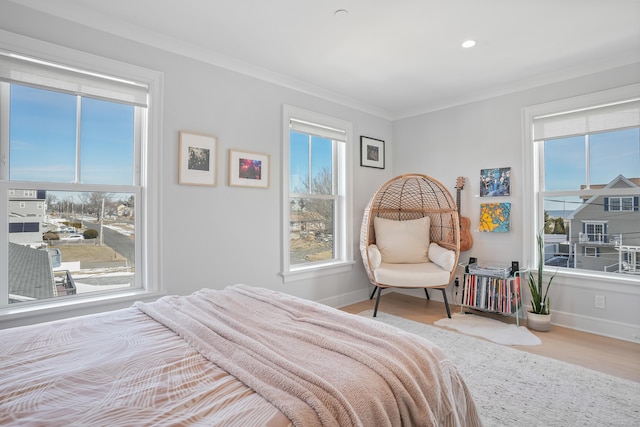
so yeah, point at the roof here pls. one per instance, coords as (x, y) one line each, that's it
(629, 181)
(30, 273)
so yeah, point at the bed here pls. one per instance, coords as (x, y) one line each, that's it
(241, 356)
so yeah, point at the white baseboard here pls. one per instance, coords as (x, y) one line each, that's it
(592, 325)
(348, 298)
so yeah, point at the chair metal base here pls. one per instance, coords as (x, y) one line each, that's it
(379, 289)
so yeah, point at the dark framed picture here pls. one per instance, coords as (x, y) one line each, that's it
(248, 169)
(198, 159)
(371, 152)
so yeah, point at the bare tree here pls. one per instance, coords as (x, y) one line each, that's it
(322, 183)
(93, 202)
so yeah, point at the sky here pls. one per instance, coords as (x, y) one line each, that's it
(43, 138)
(610, 154)
(321, 155)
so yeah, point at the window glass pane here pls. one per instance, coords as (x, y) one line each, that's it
(612, 154)
(321, 160)
(42, 135)
(67, 243)
(299, 163)
(564, 164)
(106, 142)
(561, 206)
(311, 230)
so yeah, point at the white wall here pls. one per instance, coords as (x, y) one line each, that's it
(462, 140)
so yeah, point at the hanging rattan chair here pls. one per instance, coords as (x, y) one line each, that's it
(411, 198)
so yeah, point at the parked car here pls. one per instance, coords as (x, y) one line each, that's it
(73, 238)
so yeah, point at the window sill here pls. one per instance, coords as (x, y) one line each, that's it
(316, 270)
(594, 280)
(43, 311)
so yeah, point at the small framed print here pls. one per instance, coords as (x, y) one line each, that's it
(371, 152)
(248, 169)
(495, 182)
(198, 159)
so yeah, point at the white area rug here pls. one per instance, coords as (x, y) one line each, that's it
(490, 329)
(515, 388)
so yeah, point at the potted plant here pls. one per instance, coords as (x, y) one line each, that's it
(539, 317)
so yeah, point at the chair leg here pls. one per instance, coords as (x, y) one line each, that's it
(427, 293)
(446, 303)
(375, 288)
(375, 310)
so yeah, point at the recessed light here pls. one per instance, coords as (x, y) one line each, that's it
(341, 13)
(469, 43)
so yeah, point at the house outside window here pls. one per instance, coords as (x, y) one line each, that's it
(583, 155)
(317, 229)
(72, 142)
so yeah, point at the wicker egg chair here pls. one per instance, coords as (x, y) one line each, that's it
(411, 197)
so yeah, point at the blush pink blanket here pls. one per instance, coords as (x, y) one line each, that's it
(319, 365)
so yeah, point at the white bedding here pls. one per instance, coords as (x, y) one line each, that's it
(124, 368)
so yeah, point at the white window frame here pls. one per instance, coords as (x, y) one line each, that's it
(533, 199)
(148, 244)
(598, 231)
(592, 252)
(621, 204)
(343, 227)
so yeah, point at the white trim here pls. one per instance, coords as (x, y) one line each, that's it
(532, 208)
(148, 239)
(317, 270)
(596, 325)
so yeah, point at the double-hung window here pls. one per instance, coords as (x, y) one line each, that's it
(583, 155)
(75, 191)
(317, 230)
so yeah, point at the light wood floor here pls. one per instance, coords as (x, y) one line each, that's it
(608, 355)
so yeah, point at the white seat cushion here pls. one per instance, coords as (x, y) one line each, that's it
(422, 275)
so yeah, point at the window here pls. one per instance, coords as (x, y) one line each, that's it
(584, 163)
(621, 203)
(317, 230)
(594, 232)
(590, 252)
(73, 147)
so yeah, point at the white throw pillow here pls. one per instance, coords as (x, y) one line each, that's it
(445, 258)
(402, 242)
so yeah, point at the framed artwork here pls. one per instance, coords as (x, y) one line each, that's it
(495, 217)
(198, 159)
(371, 152)
(495, 182)
(248, 169)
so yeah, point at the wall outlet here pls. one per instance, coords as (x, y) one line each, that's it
(599, 301)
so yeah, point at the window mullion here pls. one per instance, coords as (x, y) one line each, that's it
(78, 137)
(587, 159)
(309, 164)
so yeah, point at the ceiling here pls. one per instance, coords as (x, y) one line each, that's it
(390, 58)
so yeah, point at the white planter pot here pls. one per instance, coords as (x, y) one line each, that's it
(538, 322)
